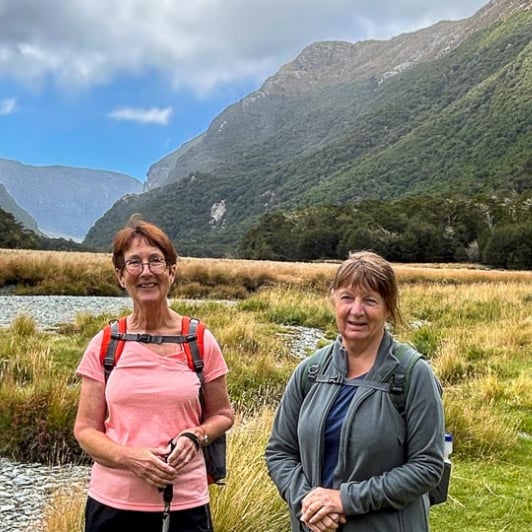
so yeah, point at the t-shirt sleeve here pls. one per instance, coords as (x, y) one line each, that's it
(90, 365)
(214, 362)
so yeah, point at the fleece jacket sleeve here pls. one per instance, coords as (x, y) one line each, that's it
(282, 451)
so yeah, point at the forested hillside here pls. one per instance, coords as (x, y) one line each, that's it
(496, 231)
(458, 124)
(8, 203)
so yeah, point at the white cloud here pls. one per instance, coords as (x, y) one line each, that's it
(144, 116)
(197, 43)
(7, 106)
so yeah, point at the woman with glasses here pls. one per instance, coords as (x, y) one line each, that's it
(144, 428)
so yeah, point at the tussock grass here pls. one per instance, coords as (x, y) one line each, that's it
(64, 510)
(292, 306)
(57, 272)
(37, 404)
(80, 273)
(249, 494)
(481, 428)
(247, 501)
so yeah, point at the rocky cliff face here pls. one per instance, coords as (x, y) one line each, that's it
(318, 67)
(332, 63)
(64, 201)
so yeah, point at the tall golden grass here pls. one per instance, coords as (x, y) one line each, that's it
(77, 273)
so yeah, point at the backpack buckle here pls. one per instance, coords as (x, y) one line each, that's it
(396, 387)
(198, 365)
(145, 338)
(335, 379)
(313, 371)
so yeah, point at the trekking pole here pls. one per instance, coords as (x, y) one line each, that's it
(168, 493)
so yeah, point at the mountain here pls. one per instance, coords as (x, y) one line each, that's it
(444, 109)
(64, 201)
(8, 204)
(14, 235)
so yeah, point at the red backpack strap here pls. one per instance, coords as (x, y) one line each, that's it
(194, 329)
(111, 347)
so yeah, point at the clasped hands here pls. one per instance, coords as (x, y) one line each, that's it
(322, 510)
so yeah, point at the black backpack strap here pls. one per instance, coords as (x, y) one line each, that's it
(194, 349)
(153, 339)
(313, 367)
(400, 379)
(359, 383)
(397, 386)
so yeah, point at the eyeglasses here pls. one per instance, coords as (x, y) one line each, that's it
(136, 266)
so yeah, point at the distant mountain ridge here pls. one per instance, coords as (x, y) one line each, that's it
(449, 111)
(63, 201)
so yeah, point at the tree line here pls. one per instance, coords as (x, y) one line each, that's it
(495, 231)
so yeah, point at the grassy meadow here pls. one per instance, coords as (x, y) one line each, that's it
(474, 325)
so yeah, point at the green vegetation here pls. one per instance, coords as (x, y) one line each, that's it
(494, 231)
(473, 326)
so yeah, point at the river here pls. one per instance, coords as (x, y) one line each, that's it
(49, 311)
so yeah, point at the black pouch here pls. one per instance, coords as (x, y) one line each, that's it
(439, 494)
(215, 460)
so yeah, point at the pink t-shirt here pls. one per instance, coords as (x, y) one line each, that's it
(151, 399)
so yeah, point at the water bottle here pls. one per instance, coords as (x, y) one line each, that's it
(448, 447)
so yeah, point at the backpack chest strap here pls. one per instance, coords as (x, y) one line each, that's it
(154, 339)
(362, 383)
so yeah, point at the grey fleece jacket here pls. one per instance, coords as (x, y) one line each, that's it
(387, 463)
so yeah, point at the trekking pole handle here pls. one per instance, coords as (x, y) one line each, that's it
(168, 490)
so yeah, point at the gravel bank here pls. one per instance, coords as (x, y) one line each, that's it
(48, 311)
(25, 488)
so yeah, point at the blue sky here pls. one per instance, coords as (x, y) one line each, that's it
(119, 84)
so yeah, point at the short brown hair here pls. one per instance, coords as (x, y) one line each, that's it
(136, 227)
(365, 268)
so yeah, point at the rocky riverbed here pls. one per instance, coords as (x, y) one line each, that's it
(25, 489)
(48, 311)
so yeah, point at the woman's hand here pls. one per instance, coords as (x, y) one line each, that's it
(150, 465)
(322, 510)
(186, 447)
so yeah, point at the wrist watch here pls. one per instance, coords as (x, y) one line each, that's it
(203, 437)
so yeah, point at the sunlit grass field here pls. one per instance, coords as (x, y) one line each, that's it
(473, 325)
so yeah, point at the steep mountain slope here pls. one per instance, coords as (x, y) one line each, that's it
(326, 90)
(455, 115)
(8, 204)
(64, 201)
